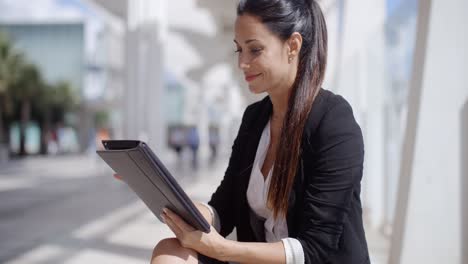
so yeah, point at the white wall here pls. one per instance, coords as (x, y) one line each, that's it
(429, 222)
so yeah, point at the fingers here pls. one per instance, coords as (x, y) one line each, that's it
(175, 229)
(188, 236)
(177, 220)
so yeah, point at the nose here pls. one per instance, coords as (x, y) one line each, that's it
(242, 62)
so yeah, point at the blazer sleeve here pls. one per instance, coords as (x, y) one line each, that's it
(222, 199)
(332, 173)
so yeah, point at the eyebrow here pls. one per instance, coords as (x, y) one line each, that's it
(247, 41)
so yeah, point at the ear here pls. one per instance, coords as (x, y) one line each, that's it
(294, 43)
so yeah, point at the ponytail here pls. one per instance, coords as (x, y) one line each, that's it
(283, 18)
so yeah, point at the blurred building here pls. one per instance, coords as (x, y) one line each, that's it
(83, 46)
(172, 75)
(57, 49)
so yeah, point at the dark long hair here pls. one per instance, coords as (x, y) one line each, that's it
(283, 18)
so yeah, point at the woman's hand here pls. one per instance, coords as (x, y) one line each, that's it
(209, 244)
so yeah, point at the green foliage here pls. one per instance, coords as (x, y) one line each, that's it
(21, 82)
(101, 119)
(60, 95)
(27, 85)
(11, 66)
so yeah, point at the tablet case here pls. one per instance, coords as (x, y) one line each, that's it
(146, 175)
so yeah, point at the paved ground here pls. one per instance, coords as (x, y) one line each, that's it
(71, 210)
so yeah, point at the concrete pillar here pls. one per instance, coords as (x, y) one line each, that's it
(428, 224)
(464, 185)
(144, 95)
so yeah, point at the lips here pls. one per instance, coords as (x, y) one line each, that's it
(251, 77)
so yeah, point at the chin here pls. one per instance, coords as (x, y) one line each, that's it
(255, 89)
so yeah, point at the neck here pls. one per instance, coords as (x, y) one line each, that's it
(280, 97)
(280, 104)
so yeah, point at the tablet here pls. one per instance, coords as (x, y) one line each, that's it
(147, 176)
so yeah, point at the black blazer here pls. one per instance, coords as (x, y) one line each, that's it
(324, 211)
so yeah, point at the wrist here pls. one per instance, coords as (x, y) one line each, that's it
(224, 250)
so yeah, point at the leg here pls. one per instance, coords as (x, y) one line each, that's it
(169, 250)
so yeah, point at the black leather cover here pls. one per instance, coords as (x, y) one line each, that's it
(142, 170)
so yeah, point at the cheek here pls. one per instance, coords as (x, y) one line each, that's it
(269, 67)
(274, 72)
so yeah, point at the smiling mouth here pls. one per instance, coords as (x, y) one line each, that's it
(252, 77)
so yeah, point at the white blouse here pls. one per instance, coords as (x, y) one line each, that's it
(257, 192)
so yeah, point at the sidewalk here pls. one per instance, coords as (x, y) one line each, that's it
(46, 217)
(70, 232)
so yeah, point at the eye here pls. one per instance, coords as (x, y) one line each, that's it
(256, 50)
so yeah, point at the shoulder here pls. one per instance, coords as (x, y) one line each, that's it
(331, 119)
(256, 111)
(257, 107)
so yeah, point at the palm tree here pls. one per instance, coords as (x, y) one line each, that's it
(11, 63)
(5, 51)
(27, 87)
(58, 99)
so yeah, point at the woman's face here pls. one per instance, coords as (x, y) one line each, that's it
(262, 57)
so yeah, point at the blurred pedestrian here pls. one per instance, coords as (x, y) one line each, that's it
(177, 140)
(193, 140)
(213, 138)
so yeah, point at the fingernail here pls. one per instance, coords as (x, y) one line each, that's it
(165, 210)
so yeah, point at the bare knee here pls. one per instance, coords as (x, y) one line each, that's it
(169, 250)
(167, 246)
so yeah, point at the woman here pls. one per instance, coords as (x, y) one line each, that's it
(292, 186)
